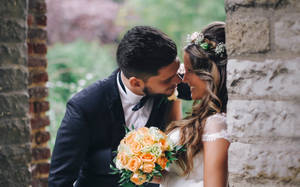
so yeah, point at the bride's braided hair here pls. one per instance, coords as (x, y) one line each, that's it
(211, 68)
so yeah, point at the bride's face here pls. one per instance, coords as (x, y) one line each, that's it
(197, 85)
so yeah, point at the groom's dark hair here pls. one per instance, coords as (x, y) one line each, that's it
(143, 51)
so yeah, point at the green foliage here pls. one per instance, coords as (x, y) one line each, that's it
(176, 18)
(72, 67)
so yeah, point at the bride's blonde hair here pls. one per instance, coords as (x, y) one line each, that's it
(211, 68)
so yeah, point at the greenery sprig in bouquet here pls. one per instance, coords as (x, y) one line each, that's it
(142, 155)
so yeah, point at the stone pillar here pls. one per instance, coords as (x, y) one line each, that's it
(38, 92)
(263, 43)
(15, 152)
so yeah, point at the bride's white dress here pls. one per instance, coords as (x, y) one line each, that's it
(214, 129)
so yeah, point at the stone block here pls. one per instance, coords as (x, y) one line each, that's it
(13, 8)
(14, 162)
(247, 34)
(265, 161)
(13, 79)
(14, 131)
(13, 54)
(12, 31)
(287, 32)
(232, 5)
(271, 78)
(14, 105)
(253, 120)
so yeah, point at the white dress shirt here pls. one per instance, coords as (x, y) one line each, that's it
(129, 99)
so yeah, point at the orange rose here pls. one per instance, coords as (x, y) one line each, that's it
(143, 130)
(134, 164)
(130, 138)
(164, 144)
(123, 157)
(138, 179)
(135, 147)
(148, 167)
(148, 140)
(148, 157)
(162, 161)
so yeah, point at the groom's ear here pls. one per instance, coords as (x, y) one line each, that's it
(136, 83)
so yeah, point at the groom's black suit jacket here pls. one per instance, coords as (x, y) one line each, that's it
(91, 130)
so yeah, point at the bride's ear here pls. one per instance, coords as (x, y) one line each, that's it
(136, 83)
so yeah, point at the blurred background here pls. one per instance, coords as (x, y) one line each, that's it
(83, 36)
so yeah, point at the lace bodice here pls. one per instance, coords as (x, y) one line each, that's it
(215, 128)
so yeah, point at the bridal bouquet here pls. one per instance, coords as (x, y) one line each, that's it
(143, 154)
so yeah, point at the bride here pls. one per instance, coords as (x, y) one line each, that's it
(203, 132)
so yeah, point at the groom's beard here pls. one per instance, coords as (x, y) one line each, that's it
(148, 92)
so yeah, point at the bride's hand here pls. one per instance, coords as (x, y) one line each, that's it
(156, 180)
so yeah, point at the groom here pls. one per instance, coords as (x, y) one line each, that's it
(135, 94)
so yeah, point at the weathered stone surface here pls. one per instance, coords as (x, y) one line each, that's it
(14, 131)
(259, 162)
(13, 8)
(13, 54)
(232, 5)
(287, 32)
(12, 79)
(247, 34)
(14, 105)
(271, 78)
(294, 3)
(12, 31)
(14, 161)
(251, 120)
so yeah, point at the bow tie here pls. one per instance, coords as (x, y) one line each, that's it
(141, 103)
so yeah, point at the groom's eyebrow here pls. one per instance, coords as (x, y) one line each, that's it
(168, 79)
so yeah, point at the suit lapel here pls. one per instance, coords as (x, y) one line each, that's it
(116, 112)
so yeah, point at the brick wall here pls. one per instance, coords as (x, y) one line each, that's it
(38, 104)
(15, 154)
(263, 42)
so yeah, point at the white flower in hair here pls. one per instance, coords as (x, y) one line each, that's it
(220, 49)
(195, 38)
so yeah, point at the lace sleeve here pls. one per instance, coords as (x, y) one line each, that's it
(215, 128)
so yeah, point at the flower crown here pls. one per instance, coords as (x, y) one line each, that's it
(197, 38)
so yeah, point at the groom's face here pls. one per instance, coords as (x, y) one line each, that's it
(165, 82)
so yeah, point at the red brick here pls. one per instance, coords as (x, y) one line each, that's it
(40, 34)
(38, 106)
(38, 92)
(37, 6)
(41, 182)
(39, 122)
(37, 77)
(41, 137)
(40, 153)
(37, 62)
(41, 20)
(41, 168)
(29, 20)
